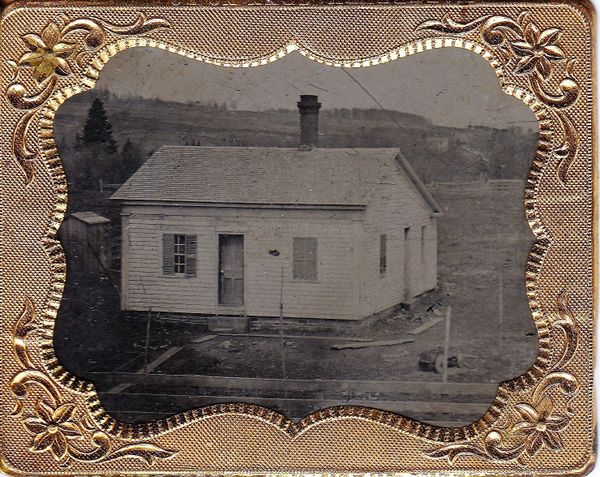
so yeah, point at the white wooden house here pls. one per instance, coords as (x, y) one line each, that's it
(327, 233)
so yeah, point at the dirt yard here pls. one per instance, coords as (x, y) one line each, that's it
(481, 262)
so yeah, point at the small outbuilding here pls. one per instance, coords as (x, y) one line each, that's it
(324, 233)
(86, 236)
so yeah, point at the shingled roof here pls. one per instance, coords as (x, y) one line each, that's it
(265, 176)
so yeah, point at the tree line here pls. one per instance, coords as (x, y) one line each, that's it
(95, 155)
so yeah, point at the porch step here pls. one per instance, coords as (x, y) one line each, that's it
(303, 326)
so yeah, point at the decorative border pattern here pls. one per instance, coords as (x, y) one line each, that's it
(116, 428)
(528, 51)
(51, 54)
(535, 413)
(536, 424)
(534, 53)
(54, 423)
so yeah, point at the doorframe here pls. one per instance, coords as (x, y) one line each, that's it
(229, 308)
(407, 262)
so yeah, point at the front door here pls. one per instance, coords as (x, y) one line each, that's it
(231, 270)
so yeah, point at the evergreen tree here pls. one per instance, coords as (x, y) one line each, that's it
(98, 129)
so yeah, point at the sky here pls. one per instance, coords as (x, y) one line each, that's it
(450, 86)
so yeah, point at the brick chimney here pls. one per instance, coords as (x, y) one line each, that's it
(309, 106)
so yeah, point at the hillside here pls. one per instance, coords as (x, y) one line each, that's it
(437, 153)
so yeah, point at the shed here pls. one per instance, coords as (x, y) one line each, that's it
(87, 237)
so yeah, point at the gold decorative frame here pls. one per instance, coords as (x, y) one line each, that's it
(52, 423)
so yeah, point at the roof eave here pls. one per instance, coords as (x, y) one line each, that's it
(244, 205)
(436, 210)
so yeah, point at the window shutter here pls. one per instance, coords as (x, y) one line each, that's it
(382, 253)
(310, 271)
(190, 255)
(168, 252)
(299, 259)
(305, 258)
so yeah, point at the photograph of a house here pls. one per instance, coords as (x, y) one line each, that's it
(296, 236)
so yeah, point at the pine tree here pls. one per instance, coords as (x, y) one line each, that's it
(98, 129)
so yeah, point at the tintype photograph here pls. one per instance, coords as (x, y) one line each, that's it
(296, 236)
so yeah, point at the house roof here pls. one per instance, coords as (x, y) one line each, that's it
(91, 218)
(265, 176)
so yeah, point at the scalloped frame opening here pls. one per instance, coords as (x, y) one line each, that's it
(130, 431)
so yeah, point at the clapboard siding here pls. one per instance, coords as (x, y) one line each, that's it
(332, 295)
(394, 205)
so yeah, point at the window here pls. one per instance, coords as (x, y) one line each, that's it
(305, 259)
(382, 254)
(179, 255)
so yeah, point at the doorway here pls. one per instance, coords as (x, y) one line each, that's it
(231, 270)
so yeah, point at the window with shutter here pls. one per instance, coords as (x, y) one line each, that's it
(305, 259)
(168, 245)
(179, 253)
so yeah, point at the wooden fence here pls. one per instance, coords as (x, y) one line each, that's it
(158, 395)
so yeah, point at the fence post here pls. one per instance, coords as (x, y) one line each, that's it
(281, 337)
(447, 342)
